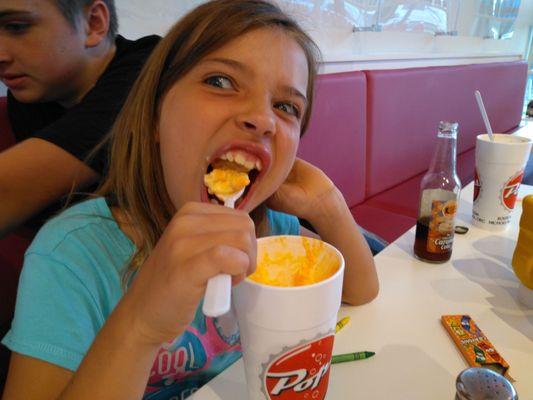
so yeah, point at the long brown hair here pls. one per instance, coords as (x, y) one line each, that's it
(135, 181)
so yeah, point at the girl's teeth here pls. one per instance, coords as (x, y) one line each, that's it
(239, 159)
(248, 164)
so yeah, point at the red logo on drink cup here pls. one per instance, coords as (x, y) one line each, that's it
(510, 190)
(301, 372)
(477, 185)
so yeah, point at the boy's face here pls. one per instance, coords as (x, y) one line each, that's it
(41, 54)
(246, 98)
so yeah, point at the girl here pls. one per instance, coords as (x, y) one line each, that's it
(232, 80)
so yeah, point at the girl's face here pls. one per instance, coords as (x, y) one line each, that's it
(244, 101)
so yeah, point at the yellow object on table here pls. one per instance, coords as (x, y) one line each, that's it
(523, 254)
(342, 323)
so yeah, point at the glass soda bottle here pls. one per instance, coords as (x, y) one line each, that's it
(439, 196)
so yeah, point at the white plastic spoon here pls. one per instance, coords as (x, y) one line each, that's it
(484, 114)
(217, 300)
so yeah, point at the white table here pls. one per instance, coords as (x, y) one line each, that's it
(415, 358)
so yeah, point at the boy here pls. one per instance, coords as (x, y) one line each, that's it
(67, 74)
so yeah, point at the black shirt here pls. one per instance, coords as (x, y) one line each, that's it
(79, 129)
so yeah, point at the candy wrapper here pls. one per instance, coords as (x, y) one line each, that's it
(474, 345)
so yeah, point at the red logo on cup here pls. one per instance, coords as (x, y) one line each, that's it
(510, 190)
(477, 185)
(300, 373)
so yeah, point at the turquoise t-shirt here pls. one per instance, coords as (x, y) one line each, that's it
(71, 282)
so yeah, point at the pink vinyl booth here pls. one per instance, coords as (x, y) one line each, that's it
(373, 133)
(12, 249)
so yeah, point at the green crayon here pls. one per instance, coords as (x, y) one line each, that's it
(361, 355)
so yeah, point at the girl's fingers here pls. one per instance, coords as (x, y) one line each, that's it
(190, 224)
(236, 279)
(191, 246)
(207, 208)
(216, 260)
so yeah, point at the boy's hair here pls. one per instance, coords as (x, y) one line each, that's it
(135, 181)
(72, 9)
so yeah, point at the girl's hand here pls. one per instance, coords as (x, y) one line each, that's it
(201, 241)
(307, 193)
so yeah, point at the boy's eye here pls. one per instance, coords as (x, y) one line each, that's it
(289, 108)
(219, 81)
(16, 27)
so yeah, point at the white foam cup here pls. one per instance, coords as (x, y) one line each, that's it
(287, 333)
(499, 170)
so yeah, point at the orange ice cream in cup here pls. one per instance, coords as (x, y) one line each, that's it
(287, 311)
(282, 263)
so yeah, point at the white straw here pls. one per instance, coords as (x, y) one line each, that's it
(484, 114)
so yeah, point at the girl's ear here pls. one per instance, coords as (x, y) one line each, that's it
(96, 23)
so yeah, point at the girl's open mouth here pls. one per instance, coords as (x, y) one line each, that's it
(229, 174)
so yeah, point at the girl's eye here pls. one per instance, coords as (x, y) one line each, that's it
(289, 108)
(16, 27)
(219, 81)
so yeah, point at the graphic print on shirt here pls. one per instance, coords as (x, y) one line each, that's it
(208, 346)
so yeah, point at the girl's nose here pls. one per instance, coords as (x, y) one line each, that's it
(259, 118)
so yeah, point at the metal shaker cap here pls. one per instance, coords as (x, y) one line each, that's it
(483, 384)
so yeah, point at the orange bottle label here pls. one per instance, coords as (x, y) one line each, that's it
(440, 232)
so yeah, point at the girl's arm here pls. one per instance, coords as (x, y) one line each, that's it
(335, 224)
(201, 241)
(309, 194)
(117, 366)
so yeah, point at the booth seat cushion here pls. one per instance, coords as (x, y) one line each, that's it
(386, 224)
(335, 140)
(405, 106)
(402, 200)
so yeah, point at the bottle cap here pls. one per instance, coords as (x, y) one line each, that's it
(482, 383)
(445, 126)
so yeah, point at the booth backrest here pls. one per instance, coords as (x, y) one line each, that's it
(335, 140)
(6, 136)
(9, 258)
(404, 107)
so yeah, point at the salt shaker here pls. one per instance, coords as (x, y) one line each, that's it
(483, 384)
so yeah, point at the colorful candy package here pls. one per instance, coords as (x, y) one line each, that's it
(473, 344)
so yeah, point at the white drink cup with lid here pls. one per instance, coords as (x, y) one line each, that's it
(287, 333)
(499, 170)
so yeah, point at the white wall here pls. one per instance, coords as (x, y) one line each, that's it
(345, 50)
